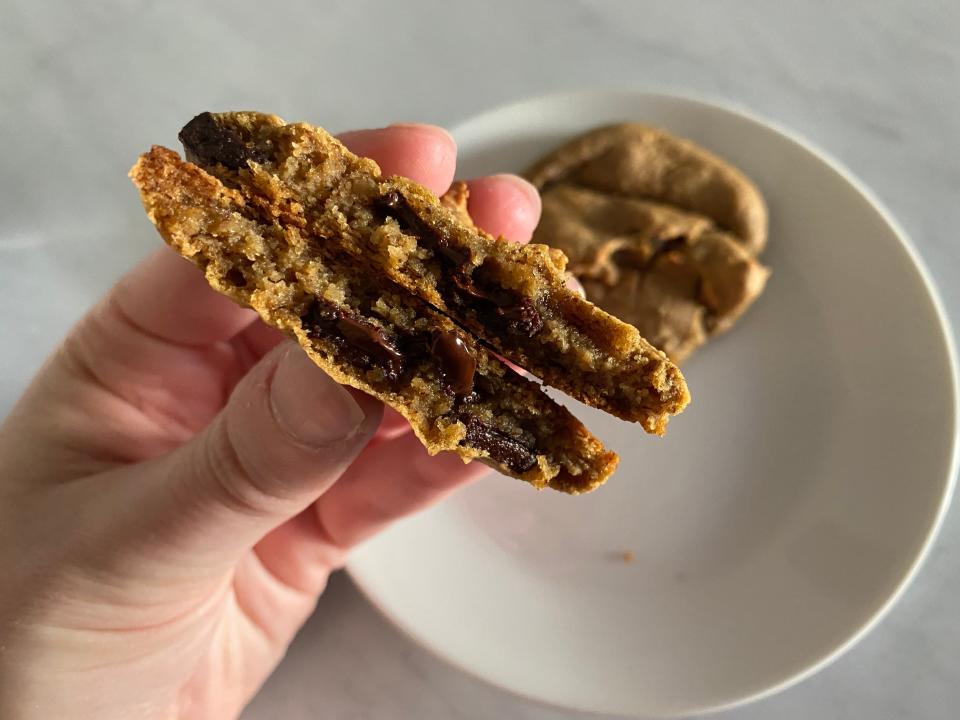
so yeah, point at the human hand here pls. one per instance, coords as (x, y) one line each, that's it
(179, 481)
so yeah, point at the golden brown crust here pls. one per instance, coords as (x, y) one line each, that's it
(282, 272)
(639, 161)
(455, 200)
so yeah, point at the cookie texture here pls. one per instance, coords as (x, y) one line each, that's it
(512, 298)
(455, 200)
(671, 273)
(660, 232)
(635, 160)
(260, 247)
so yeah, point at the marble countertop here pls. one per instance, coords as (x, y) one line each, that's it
(85, 86)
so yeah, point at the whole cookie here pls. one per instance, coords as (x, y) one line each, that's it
(634, 160)
(670, 273)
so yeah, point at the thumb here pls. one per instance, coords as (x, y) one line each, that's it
(287, 433)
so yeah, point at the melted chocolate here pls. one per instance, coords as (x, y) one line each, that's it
(367, 344)
(512, 306)
(457, 362)
(517, 311)
(500, 297)
(502, 448)
(371, 340)
(207, 142)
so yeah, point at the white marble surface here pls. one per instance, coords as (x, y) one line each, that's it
(85, 86)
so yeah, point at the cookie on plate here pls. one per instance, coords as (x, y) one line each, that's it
(660, 232)
(670, 273)
(639, 161)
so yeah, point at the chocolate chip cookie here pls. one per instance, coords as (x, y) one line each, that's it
(634, 160)
(671, 273)
(512, 297)
(284, 219)
(660, 232)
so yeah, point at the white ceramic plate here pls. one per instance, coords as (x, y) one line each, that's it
(779, 519)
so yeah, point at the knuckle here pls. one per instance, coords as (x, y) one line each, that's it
(222, 467)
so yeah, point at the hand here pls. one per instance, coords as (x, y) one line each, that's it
(179, 481)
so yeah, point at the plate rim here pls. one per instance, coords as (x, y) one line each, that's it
(665, 92)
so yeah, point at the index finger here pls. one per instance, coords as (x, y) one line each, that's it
(426, 154)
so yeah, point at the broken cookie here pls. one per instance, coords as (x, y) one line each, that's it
(513, 298)
(367, 331)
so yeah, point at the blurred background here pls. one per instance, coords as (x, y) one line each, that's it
(85, 87)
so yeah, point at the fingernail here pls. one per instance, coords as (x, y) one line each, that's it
(424, 127)
(308, 405)
(522, 185)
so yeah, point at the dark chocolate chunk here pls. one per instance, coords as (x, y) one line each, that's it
(456, 361)
(206, 142)
(457, 256)
(501, 447)
(415, 346)
(523, 316)
(367, 343)
(371, 340)
(394, 200)
(519, 311)
(396, 205)
(662, 246)
(466, 283)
